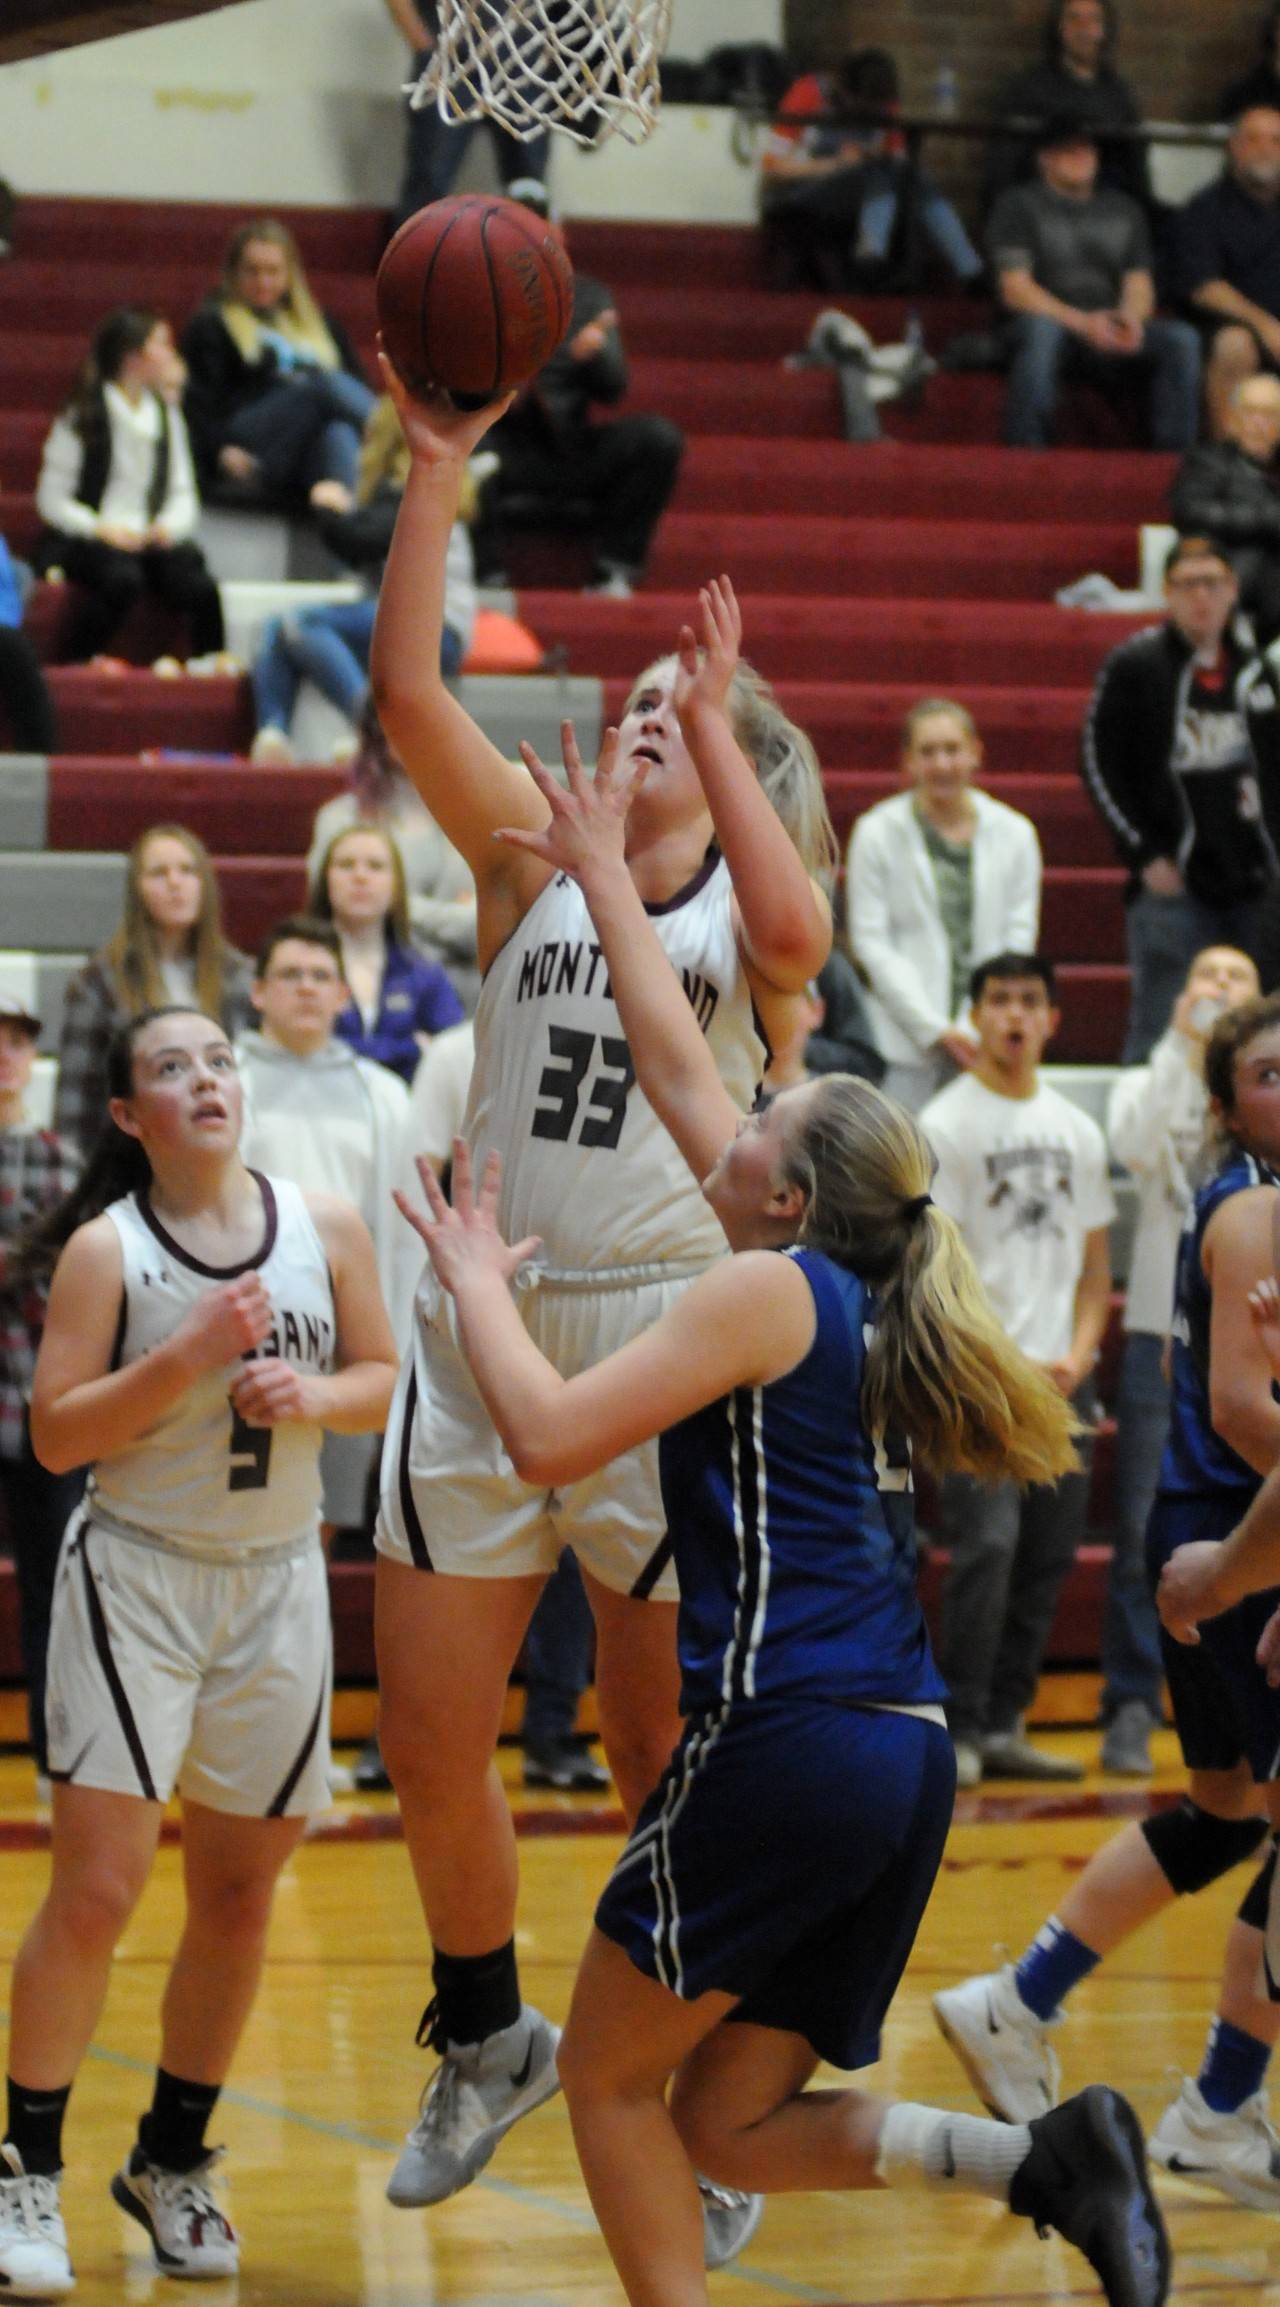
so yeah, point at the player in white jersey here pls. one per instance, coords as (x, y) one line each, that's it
(206, 1324)
(722, 845)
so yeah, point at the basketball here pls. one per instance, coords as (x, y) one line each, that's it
(474, 294)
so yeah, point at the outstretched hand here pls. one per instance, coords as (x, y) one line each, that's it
(462, 1240)
(588, 821)
(705, 669)
(436, 431)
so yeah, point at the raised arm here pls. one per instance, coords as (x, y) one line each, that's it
(784, 921)
(746, 1321)
(584, 836)
(467, 785)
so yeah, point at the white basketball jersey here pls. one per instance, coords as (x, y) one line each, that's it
(586, 1162)
(203, 1482)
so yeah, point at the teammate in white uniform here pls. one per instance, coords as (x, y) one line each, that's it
(722, 844)
(205, 1325)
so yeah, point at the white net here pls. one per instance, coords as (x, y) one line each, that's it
(586, 67)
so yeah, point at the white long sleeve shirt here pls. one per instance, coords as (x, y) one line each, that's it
(135, 434)
(1156, 1119)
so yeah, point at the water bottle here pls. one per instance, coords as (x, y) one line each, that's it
(945, 92)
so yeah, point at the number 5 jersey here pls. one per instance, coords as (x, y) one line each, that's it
(587, 1165)
(203, 1482)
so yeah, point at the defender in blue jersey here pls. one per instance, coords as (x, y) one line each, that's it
(765, 1906)
(1224, 1435)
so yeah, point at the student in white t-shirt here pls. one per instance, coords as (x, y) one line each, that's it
(1024, 1173)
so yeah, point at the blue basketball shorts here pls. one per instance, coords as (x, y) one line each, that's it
(1223, 1707)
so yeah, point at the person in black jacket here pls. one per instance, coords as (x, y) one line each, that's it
(1075, 75)
(549, 450)
(1180, 717)
(1226, 489)
(276, 401)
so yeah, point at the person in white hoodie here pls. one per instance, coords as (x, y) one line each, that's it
(940, 877)
(1156, 1118)
(332, 1122)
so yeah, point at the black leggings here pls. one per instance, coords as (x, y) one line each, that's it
(25, 702)
(111, 581)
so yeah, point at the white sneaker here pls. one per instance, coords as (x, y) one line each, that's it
(270, 746)
(1239, 2154)
(475, 2095)
(1002, 2046)
(33, 2240)
(729, 2220)
(189, 2234)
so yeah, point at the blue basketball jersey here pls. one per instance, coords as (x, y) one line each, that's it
(1196, 1459)
(793, 1530)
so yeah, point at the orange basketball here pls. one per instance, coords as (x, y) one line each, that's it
(474, 295)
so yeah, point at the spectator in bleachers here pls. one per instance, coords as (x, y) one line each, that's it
(1226, 489)
(329, 643)
(169, 948)
(555, 460)
(1024, 1174)
(442, 898)
(1075, 75)
(1228, 260)
(1156, 1119)
(434, 148)
(399, 999)
(117, 492)
(938, 879)
(1261, 83)
(37, 1168)
(276, 399)
(25, 702)
(837, 191)
(1072, 260)
(1169, 758)
(844, 1040)
(332, 1121)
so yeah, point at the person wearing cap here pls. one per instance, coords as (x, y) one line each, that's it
(37, 1169)
(1075, 73)
(1227, 260)
(560, 465)
(1072, 262)
(1179, 756)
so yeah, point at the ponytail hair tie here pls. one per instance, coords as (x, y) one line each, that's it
(917, 1205)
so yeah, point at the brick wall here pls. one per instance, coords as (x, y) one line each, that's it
(1178, 54)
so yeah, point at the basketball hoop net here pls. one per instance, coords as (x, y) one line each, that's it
(586, 67)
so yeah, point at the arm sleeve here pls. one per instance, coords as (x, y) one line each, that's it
(1022, 893)
(212, 365)
(1129, 786)
(895, 984)
(1197, 246)
(56, 500)
(1097, 1202)
(80, 1100)
(181, 508)
(950, 1188)
(1143, 1103)
(1012, 240)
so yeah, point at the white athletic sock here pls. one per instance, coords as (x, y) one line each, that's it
(929, 2147)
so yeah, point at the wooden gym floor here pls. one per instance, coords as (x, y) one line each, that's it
(328, 2077)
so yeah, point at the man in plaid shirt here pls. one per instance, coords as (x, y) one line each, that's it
(37, 1168)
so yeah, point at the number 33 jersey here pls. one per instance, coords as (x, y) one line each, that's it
(587, 1165)
(202, 1481)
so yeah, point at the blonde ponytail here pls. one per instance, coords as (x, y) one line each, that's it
(940, 1366)
(942, 1369)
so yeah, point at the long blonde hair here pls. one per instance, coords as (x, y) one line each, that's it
(784, 761)
(134, 953)
(298, 318)
(940, 1366)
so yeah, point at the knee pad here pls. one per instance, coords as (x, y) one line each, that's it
(1192, 1848)
(1255, 1905)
